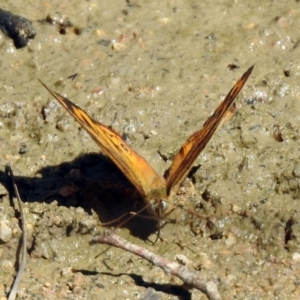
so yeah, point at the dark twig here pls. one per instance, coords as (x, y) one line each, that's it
(190, 277)
(22, 257)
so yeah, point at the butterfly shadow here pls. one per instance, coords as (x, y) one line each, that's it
(171, 289)
(90, 181)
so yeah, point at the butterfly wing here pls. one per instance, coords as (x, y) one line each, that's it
(148, 183)
(186, 156)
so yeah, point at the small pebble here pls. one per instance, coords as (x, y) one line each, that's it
(296, 256)
(165, 20)
(236, 209)
(118, 46)
(230, 240)
(66, 272)
(6, 264)
(87, 225)
(5, 231)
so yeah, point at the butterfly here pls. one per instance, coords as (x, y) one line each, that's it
(153, 188)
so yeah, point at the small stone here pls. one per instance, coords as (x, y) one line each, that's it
(118, 46)
(230, 240)
(66, 272)
(236, 209)
(296, 171)
(100, 32)
(296, 256)
(164, 20)
(5, 231)
(6, 264)
(29, 227)
(205, 261)
(87, 225)
(3, 190)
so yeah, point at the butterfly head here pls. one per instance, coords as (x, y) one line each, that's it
(160, 207)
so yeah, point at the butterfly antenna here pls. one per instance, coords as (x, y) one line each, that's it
(133, 215)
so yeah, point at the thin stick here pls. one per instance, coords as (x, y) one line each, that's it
(190, 277)
(22, 257)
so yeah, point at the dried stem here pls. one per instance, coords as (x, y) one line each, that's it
(22, 257)
(188, 276)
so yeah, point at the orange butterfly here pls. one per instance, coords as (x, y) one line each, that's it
(152, 187)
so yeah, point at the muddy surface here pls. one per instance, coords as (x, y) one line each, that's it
(154, 71)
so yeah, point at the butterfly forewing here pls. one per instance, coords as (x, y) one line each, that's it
(186, 156)
(134, 167)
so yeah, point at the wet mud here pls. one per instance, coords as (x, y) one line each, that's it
(154, 71)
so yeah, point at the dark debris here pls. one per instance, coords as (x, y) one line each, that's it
(62, 23)
(17, 28)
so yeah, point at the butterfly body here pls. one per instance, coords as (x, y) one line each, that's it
(152, 187)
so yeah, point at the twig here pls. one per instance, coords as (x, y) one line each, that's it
(22, 257)
(188, 276)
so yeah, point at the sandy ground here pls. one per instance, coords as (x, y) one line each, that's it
(154, 71)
